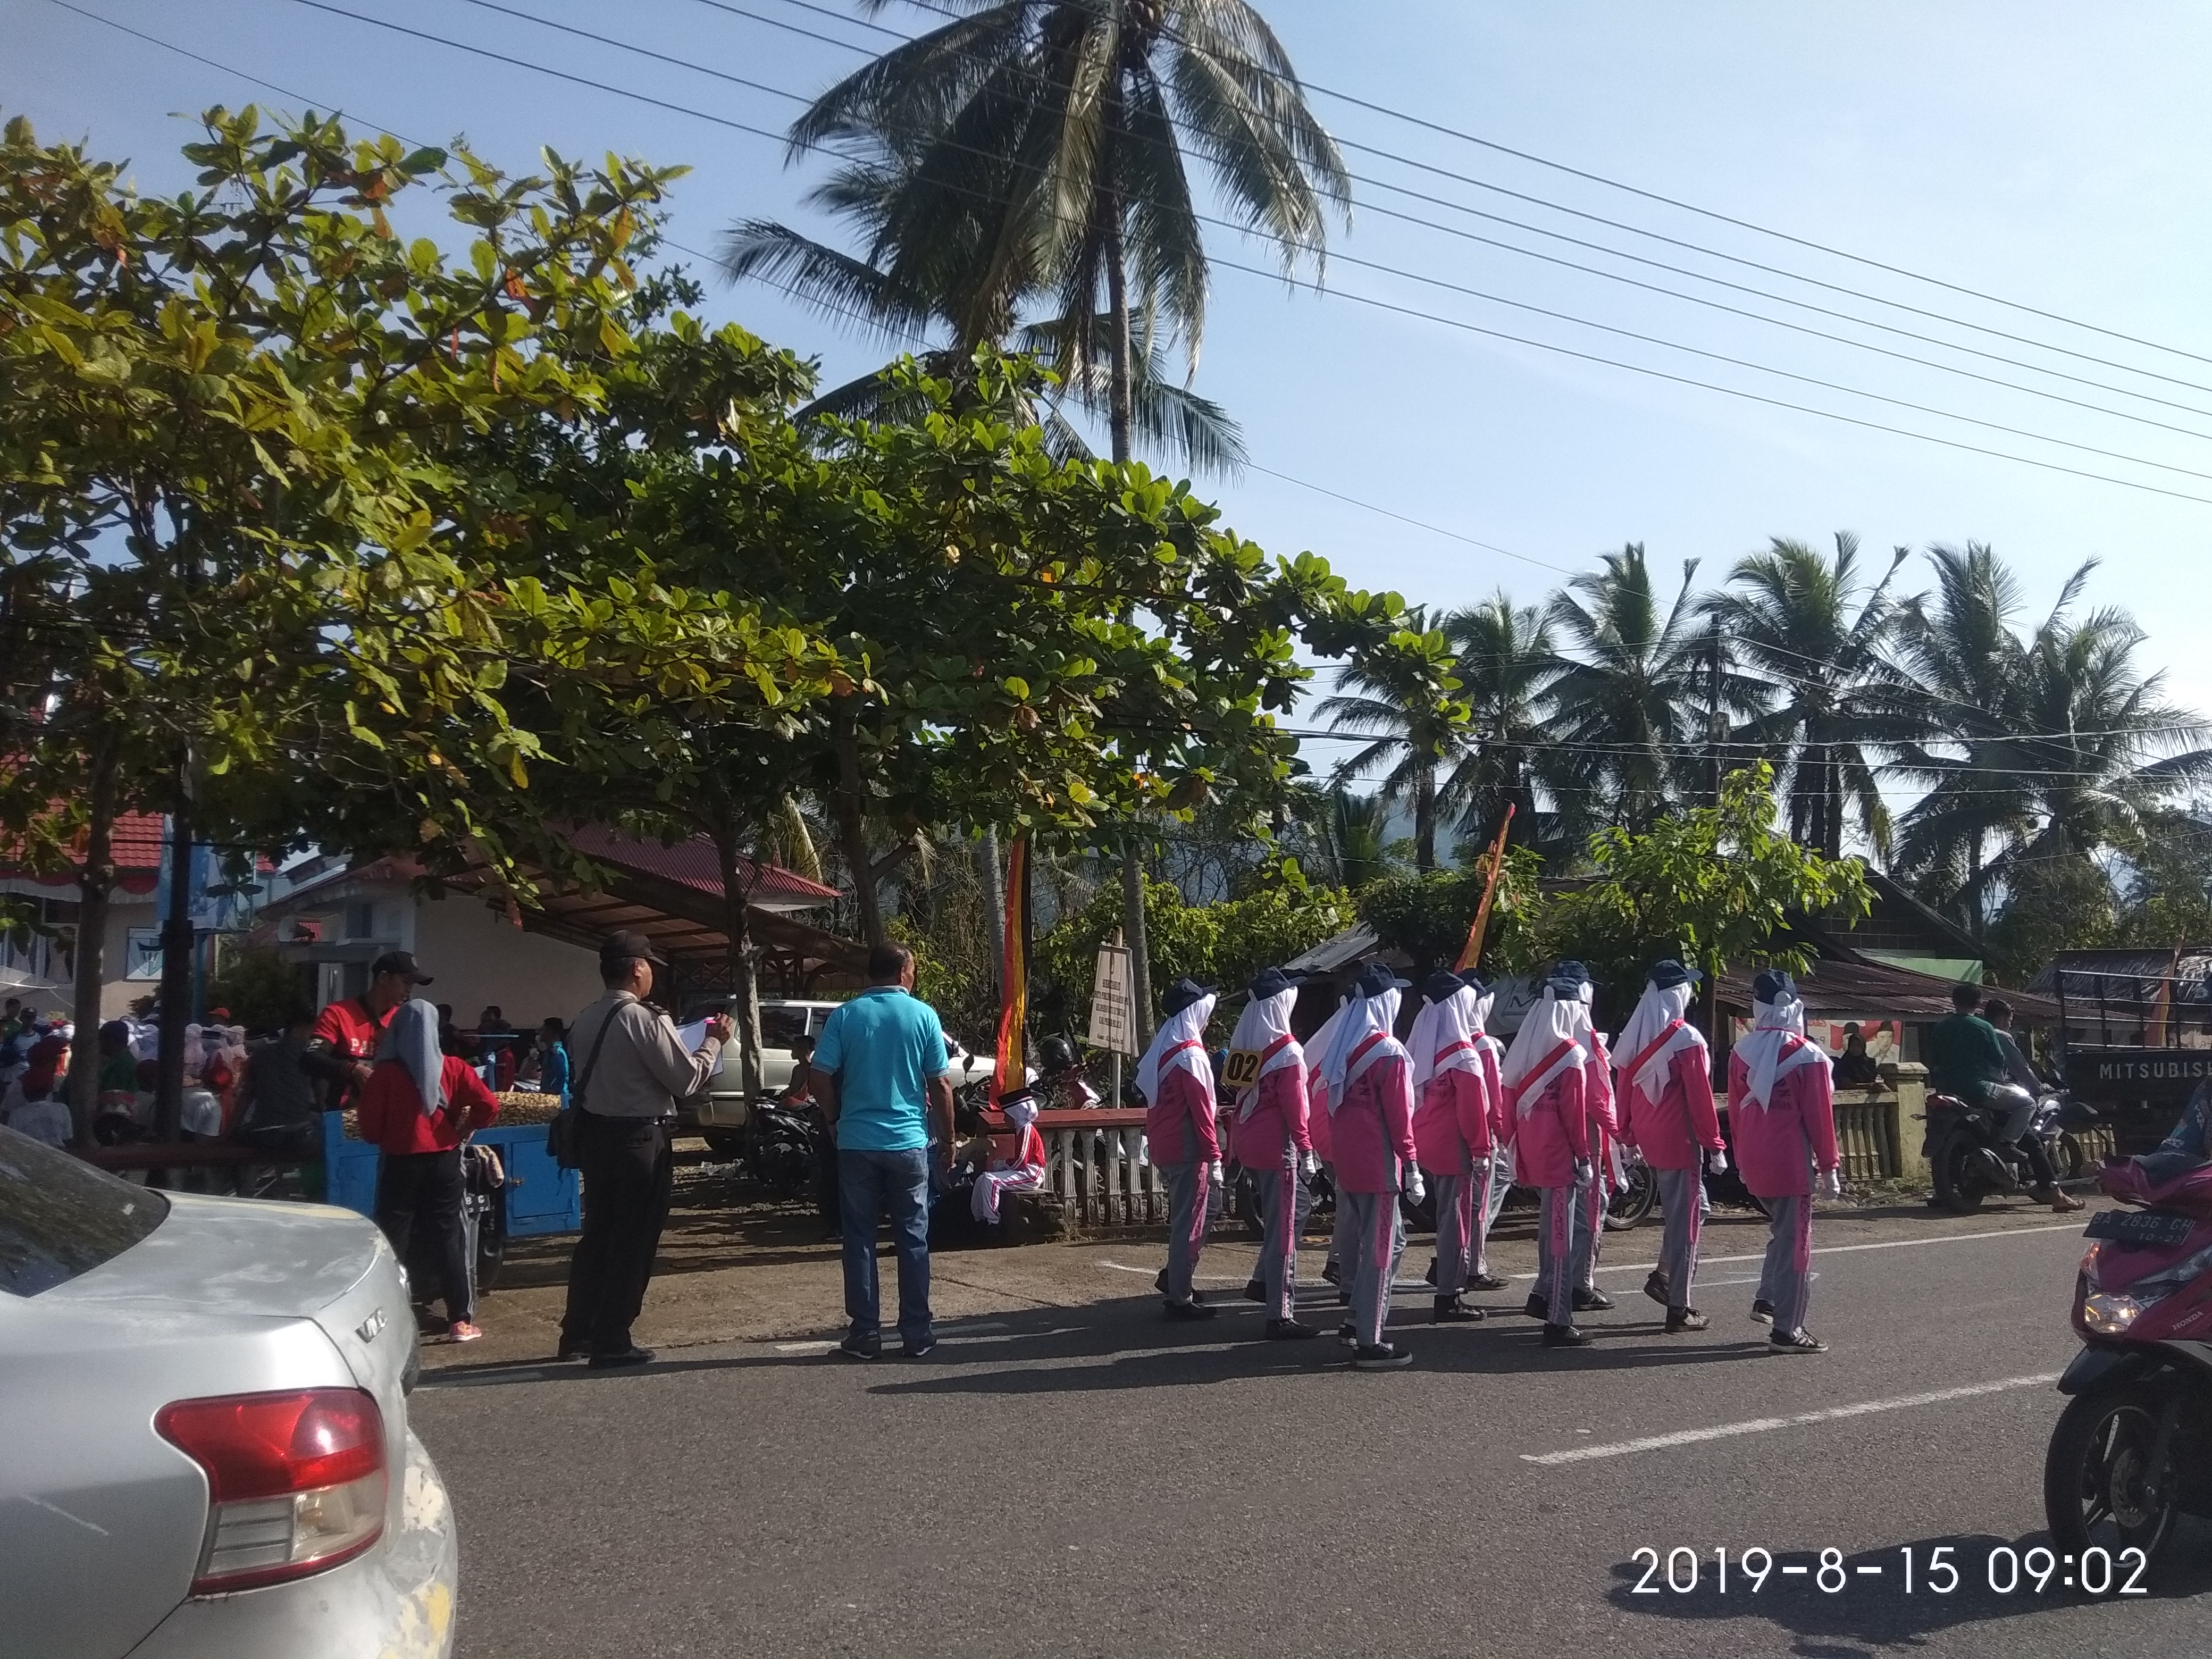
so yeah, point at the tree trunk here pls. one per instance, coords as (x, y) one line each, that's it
(1122, 415)
(853, 837)
(95, 881)
(743, 959)
(1425, 818)
(994, 901)
(1133, 924)
(176, 995)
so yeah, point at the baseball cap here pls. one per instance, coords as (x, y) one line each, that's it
(401, 962)
(628, 944)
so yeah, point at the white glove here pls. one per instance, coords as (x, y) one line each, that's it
(1717, 1161)
(1309, 1165)
(1214, 1171)
(1831, 1183)
(1416, 1190)
(1582, 1169)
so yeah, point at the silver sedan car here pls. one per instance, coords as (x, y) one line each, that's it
(203, 1439)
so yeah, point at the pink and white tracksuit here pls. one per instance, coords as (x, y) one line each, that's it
(1604, 1133)
(1546, 1080)
(1455, 1080)
(1318, 1125)
(1022, 1173)
(1177, 1081)
(1371, 1106)
(1267, 1134)
(1783, 1116)
(1665, 1084)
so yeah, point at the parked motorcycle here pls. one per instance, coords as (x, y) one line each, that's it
(1970, 1160)
(781, 1144)
(2133, 1450)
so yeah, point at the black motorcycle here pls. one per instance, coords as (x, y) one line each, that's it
(1970, 1160)
(782, 1146)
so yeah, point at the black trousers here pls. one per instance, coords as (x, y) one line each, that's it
(628, 1174)
(421, 1192)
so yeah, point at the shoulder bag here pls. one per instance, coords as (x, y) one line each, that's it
(564, 1133)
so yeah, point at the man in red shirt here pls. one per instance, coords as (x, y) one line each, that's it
(343, 1045)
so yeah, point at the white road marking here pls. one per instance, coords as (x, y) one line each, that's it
(1767, 1424)
(804, 1347)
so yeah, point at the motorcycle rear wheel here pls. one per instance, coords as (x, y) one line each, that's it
(1634, 1201)
(1958, 1183)
(2098, 1489)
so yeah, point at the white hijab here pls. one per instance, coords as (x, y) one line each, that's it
(1552, 1022)
(1021, 1113)
(1768, 1054)
(1655, 1011)
(1357, 1020)
(1166, 1055)
(1443, 1035)
(1264, 1021)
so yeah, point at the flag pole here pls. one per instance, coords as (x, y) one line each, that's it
(1472, 952)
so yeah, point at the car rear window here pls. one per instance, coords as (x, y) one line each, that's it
(780, 1025)
(59, 1217)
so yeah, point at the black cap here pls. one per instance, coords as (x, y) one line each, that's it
(1273, 982)
(1473, 983)
(1667, 973)
(1442, 984)
(1183, 993)
(1772, 985)
(401, 962)
(1377, 978)
(1016, 1096)
(627, 945)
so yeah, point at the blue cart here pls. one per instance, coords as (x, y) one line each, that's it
(540, 1196)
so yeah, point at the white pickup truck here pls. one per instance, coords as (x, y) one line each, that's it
(720, 1113)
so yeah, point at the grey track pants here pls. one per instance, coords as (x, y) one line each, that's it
(1458, 1213)
(1374, 1238)
(1186, 1202)
(1562, 1251)
(1681, 1194)
(1281, 1203)
(1786, 1280)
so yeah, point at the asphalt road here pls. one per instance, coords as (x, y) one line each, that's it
(1091, 1480)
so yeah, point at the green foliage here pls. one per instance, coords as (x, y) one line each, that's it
(2063, 902)
(1223, 945)
(1714, 887)
(1428, 916)
(263, 988)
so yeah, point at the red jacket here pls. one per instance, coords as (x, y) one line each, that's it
(390, 1108)
(1373, 1131)
(1279, 1119)
(1670, 1130)
(1776, 1146)
(1452, 1124)
(1554, 1132)
(1179, 1125)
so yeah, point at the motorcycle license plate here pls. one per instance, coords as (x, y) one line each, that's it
(2140, 1226)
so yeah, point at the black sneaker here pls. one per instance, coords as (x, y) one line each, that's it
(629, 1356)
(921, 1349)
(1592, 1301)
(853, 1348)
(1348, 1335)
(1762, 1313)
(1799, 1341)
(1289, 1330)
(1657, 1289)
(1485, 1281)
(572, 1350)
(1565, 1336)
(1430, 1277)
(1685, 1319)
(1380, 1358)
(1536, 1306)
(1193, 1309)
(1330, 1271)
(1160, 1281)
(1255, 1290)
(1451, 1310)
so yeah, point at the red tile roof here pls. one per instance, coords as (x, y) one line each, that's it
(136, 847)
(694, 863)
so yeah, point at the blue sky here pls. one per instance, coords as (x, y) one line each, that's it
(2051, 154)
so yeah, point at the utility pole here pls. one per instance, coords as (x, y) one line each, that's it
(1715, 724)
(1132, 924)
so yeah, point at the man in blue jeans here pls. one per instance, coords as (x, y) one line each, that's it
(880, 1071)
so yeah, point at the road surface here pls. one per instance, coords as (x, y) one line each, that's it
(1088, 1479)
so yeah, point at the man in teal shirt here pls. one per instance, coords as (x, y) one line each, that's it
(1967, 1060)
(881, 1072)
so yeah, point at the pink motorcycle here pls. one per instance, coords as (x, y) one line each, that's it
(2133, 1449)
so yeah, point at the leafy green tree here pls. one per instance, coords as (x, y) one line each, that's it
(2061, 903)
(1808, 633)
(1507, 663)
(1399, 691)
(1427, 915)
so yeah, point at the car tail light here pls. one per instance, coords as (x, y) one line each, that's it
(297, 1481)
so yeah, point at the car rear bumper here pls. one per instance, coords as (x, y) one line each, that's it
(395, 1602)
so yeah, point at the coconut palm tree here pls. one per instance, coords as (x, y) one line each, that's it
(1507, 663)
(1041, 147)
(1623, 703)
(1813, 636)
(1390, 693)
(2048, 748)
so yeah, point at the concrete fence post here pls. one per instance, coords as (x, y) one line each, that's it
(1908, 1105)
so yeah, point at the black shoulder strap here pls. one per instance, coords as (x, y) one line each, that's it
(590, 1063)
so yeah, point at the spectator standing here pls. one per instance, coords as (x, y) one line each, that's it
(635, 1069)
(882, 1074)
(277, 1108)
(552, 1059)
(33, 1104)
(1855, 1067)
(346, 1035)
(419, 1105)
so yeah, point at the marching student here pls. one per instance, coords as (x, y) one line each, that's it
(1177, 1083)
(1782, 1109)
(1022, 1173)
(1370, 1105)
(1493, 1177)
(1324, 1143)
(1269, 1136)
(1545, 1076)
(1666, 1097)
(1452, 1128)
(1604, 1156)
